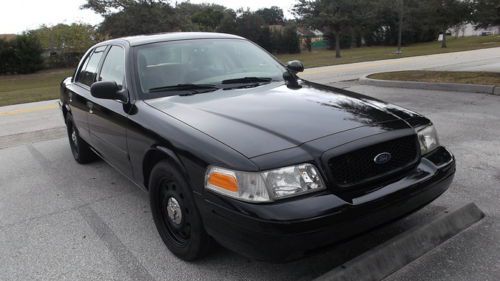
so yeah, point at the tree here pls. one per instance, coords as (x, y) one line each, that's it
(154, 16)
(107, 7)
(308, 43)
(133, 17)
(209, 17)
(486, 13)
(144, 17)
(278, 42)
(201, 17)
(291, 39)
(76, 37)
(273, 15)
(249, 25)
(398, 12)
(265, 39)
(228, 23)
(401, 12)
(22, 54)
(252, 26)
(335, 16)
(7, 57)
(449, 13)
(66, 43)
(417, 25)
(28, 53)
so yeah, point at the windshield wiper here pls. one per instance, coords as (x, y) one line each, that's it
(184, 87)
(245, 80)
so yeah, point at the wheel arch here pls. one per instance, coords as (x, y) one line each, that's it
(154, 156)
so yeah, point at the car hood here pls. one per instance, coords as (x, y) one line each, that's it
(273, 117)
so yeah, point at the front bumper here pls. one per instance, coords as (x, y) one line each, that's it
(288, 229)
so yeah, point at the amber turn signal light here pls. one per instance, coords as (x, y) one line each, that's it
(227, 182)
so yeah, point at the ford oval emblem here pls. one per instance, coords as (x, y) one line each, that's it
(382, 158)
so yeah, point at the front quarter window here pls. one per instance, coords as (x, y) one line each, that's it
(113, 68)
(203, 61)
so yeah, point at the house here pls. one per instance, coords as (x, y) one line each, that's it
(314, 36)
(466, 30)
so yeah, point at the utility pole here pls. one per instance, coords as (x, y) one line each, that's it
(400, 28)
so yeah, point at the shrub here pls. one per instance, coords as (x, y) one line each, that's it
(21, 55)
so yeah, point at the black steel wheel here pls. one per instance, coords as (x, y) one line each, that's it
(175, 214)
(79, 148)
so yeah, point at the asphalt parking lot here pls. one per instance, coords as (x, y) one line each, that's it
(64, 221)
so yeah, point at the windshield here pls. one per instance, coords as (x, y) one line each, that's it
(204, 61)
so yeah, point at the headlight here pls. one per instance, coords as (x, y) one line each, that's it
(428, 138)
(264, 186)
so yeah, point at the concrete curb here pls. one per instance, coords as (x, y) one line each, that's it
(456, 87)
(394, 254)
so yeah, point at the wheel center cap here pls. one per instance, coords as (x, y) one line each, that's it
(174, 211)
(73, 137)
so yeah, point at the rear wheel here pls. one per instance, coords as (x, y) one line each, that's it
(80, 149)
(175, 214)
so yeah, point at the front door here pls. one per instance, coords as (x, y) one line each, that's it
(108, 119)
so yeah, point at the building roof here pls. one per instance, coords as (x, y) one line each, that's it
(8, 37)
(302, 31)
(317, 32)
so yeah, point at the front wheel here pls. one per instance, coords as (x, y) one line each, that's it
(175, 214)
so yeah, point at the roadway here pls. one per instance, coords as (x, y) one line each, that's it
(476, 60)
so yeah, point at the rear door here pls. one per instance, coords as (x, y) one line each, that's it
(79, 91)
(108, 119)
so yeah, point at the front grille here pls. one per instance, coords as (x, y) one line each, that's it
(358, 167)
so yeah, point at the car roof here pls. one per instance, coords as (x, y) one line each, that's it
(170, 36)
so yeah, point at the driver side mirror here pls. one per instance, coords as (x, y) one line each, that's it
(108, 90)
(295, 66)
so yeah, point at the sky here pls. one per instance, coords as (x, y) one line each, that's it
(17, 16)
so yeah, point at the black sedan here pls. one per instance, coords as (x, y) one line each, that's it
(233, 146)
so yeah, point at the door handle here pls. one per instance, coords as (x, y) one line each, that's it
(91, 107)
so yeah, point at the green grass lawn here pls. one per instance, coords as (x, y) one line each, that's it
(464, 77)
(327, 57)
(43, 85)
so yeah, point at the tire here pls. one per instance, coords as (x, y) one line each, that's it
(79, 148)
(175, 214)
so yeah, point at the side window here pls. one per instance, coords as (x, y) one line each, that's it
(88, 73)
(113, 68)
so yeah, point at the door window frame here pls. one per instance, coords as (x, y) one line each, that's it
(85, 62)
(103, 60)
